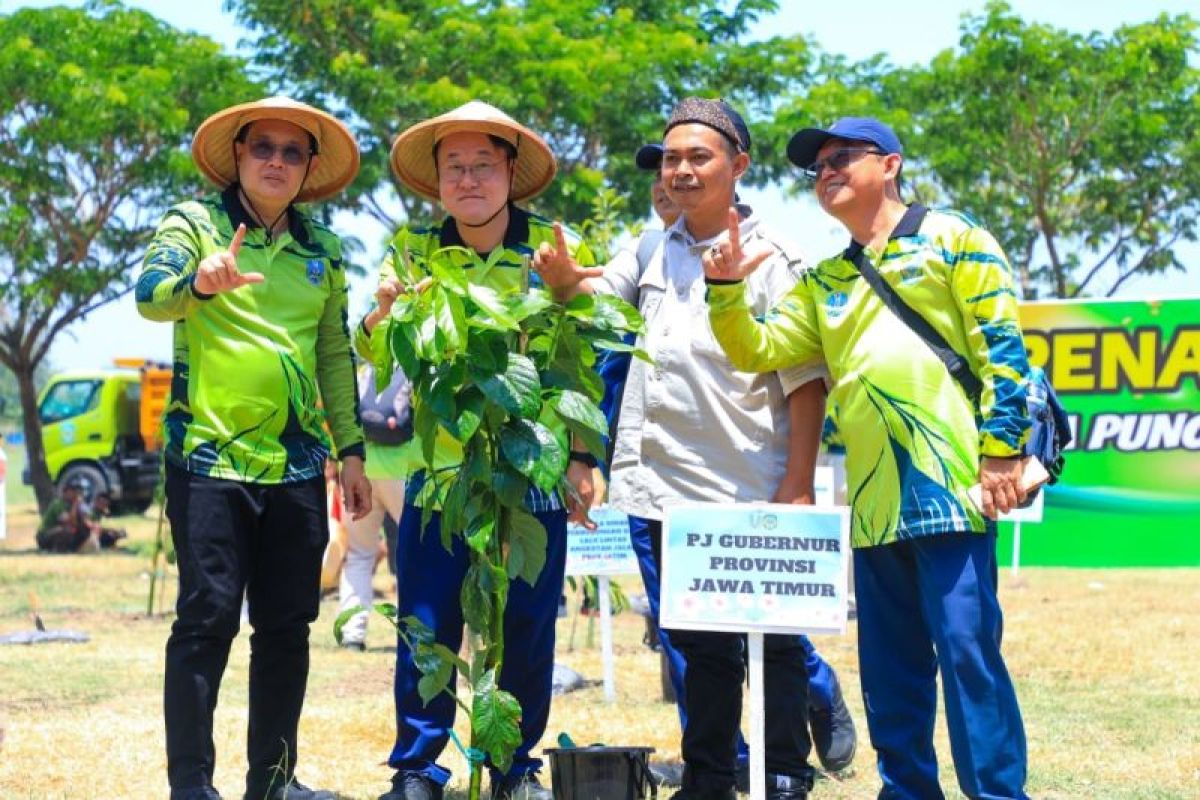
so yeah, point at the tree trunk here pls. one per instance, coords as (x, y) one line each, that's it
(35, 452)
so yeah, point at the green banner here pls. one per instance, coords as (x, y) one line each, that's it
(1128, 372)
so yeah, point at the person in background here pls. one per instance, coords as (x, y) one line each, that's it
(387, 427)
(101, 509)
(65, 527)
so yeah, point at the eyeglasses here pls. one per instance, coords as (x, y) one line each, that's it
(265, 150)
(454, 173)
(838, 160)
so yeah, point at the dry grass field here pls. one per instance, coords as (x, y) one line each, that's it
(1105, 662)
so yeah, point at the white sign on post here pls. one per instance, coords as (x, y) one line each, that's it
(757, 569)
(603, 552)
(764, 567)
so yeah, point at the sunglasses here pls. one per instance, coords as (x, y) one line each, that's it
(838, 160)
(290, 154)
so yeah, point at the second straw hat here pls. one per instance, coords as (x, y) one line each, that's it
(412, 152)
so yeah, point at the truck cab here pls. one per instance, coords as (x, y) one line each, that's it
(102, 427)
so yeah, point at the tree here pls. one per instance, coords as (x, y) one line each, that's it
(596, 77)
(97, 108)
(1080, 152)
(509, 376)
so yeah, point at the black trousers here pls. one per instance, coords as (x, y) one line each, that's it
(713, 680)
(232, 538)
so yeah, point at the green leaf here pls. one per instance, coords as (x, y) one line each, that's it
(602, 316)
(620, 346)
(449, 275)
(522, 306)
(435, 681)
(526, 546)
(517, 390)
(451, 319)
(571, 405)
(479, 534)
(476, 601)
(490, 302)
(342, 619)
(470, 413)
(534, 451)
(510, 486)
(495, 721)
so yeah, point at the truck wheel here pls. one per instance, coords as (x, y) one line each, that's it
(87, 474)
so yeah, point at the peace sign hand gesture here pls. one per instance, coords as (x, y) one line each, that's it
(219, 272)
(556, 267)
(727, 261)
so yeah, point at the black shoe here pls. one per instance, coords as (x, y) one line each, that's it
(779, 787)
(413, 786)
(694, 793)
(358, 647)
(295, 790)
(198, 793)
(787, 787)
(665, 774)
(833, 734)
(520, 787)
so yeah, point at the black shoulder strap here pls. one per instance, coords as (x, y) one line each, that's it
(959, 369)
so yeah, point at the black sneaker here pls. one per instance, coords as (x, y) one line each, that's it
(295, 790)
(413, 786)
(787, 787)
(779, 787)
(833, 734)
(520, 787)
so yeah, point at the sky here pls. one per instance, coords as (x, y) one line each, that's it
(909, 33)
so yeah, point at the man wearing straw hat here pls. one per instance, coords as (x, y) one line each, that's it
(477, 162)
(256, 290)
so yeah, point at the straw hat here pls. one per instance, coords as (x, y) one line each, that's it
(412, 152)
(212, 147)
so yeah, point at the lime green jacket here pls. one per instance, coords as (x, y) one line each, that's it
(253, 367)
(913, 438)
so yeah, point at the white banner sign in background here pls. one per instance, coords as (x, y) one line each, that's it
(755, 568)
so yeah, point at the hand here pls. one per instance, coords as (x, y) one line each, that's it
(579, 476)
(356, 488)
(385, 298)
(219, 272)
(726, 261)
(793, 492)
(556, 267)
(1000, 482)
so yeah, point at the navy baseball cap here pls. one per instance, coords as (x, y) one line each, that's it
(649, 157)
(804, 145)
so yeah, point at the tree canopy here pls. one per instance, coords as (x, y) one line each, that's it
(596, 77)
(1081, 152)
(97, 109)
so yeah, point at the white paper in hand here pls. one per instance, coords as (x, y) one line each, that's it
(1033, 475)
